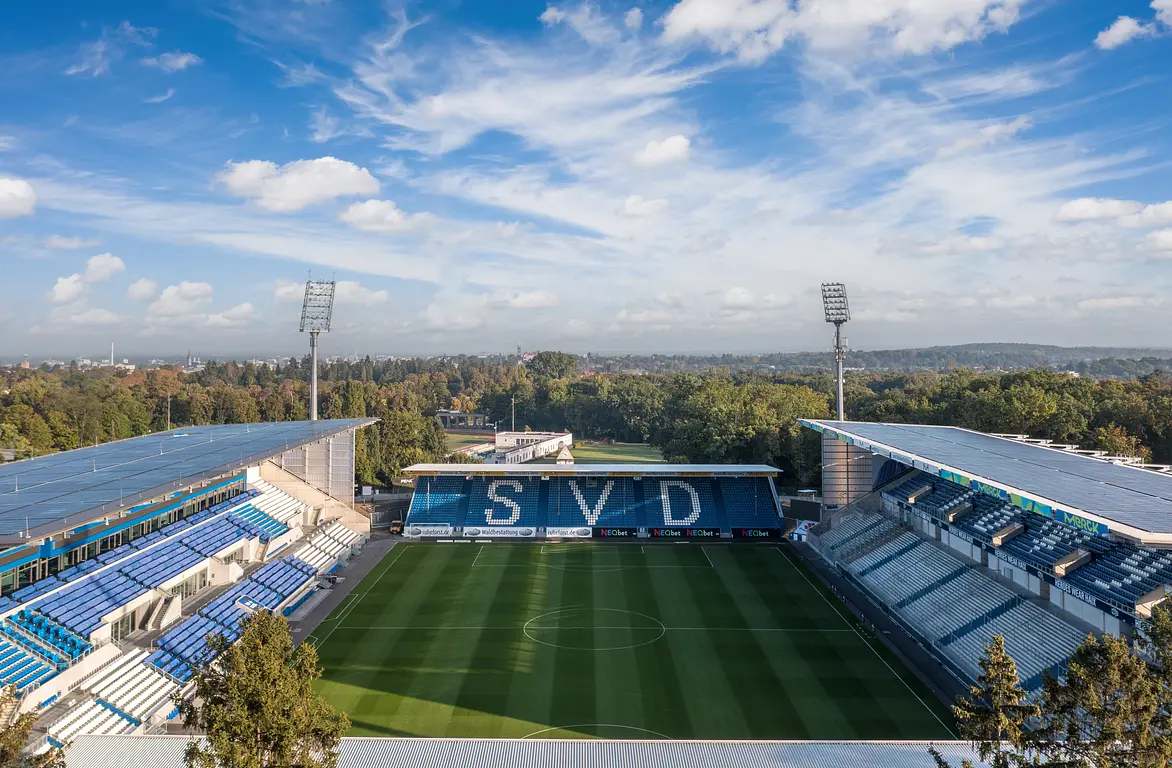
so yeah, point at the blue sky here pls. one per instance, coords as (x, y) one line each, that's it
(672, 176)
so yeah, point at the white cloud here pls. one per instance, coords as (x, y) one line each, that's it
(80, 314)
(98, 56)
(68, 289)
(524, 299)
(1123, 31)
(1160, 240)
(8, 143)
(1157, 215)
(633, 19)
(174, 61)
(17, 198)
(585, 20)
(988, 136)
(552, 16)
(238, 316)
(637, 206)
(288, 290)
(383, 216)
(102, 267)
(738, 297)
(754, 29)
(673, 149)
(298, 184)
(182, 300)
(352, 293)
(1112, 302)
(57, 242)
(1096, 209)
(1021, 301)
(142, 289)
(160, 98)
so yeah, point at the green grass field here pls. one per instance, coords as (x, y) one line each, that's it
(613, 453)
(457, 440)
(611, 640)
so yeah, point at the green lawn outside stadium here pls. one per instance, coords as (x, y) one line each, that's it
(611, 640)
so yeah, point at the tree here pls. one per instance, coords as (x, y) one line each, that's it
(15, 737)
(1117, 441)
(256, 706)
(996, 714)
(552, 365)
(1108, 712)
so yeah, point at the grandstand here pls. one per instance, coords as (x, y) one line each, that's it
(124, 557)
(962, 536)
(603, 500)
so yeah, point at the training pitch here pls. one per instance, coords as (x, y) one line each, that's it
(584, 640)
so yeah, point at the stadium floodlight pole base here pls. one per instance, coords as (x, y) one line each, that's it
(313, 376)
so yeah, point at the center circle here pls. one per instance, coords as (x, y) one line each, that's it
(594, 629)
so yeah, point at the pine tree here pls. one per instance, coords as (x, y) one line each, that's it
(15, 737)
(996, 714)
(1109, 711)
(255, 704)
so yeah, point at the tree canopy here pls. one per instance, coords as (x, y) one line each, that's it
(255, 704)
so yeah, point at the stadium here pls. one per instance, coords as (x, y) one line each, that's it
(646, 613)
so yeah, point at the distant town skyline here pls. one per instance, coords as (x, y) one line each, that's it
(674, 176)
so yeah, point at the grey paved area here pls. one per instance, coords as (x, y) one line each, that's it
(352, 574)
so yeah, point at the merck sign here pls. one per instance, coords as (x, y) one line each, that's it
(1081, 523)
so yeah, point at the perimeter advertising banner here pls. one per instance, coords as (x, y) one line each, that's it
(616, 533)
(703, 533)
(684, 533)
(427, 531)
(499, 532)
(756, 533)
(568, 533)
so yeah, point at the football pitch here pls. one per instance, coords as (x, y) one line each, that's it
(585, 640)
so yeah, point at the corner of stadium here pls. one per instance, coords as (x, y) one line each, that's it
(633, 613)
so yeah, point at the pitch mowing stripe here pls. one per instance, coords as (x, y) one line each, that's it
(882, 657)
(701, 674)
(816, 712)
(618, 693)
(663, 705)
(742, 661)
(531, 690)
(574, 696)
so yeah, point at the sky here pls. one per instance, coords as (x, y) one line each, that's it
(673, 176)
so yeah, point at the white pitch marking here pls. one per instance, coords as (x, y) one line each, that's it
(710, 563)
(860, 634)
(343, 616)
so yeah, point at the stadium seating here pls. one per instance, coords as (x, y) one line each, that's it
(186, 645)
(950, 604)
(491, 501)
(327, 545)
(685, 502)
(21, 667)
(438, 501)
(276, 503)
(92, 717)
(66, 646)
(601, 502)
(1045, 542)
(269, 527)
(132, 686)
(749, 503)
(1124, 573)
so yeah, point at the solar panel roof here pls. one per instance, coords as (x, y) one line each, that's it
(52, 493)
(1131, 496)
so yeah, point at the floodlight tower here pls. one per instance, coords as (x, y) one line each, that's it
(316, 311)
(838, 311)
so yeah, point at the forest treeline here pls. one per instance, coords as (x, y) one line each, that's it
(714, 417)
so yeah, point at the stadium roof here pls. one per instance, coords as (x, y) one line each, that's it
(1046, 480)
(52, 493)
(591, 469)
(167, 752)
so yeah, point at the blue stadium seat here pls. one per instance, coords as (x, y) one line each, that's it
(437, 501)
(503, 501)
(749, 502)
(595, 502)
(680, 502)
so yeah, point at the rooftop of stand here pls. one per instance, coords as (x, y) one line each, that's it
(1128, 496)
(61, 491)
(591, 469)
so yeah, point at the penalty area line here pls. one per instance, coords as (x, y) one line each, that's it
(344, 614)
(849, 623)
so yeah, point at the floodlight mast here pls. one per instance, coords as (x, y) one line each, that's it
(316, 311)
(838, 312)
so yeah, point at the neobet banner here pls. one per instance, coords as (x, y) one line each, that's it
(756, 533)
(616, 533)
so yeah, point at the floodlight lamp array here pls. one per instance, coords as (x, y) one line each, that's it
(318, 307)
(835, 303)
